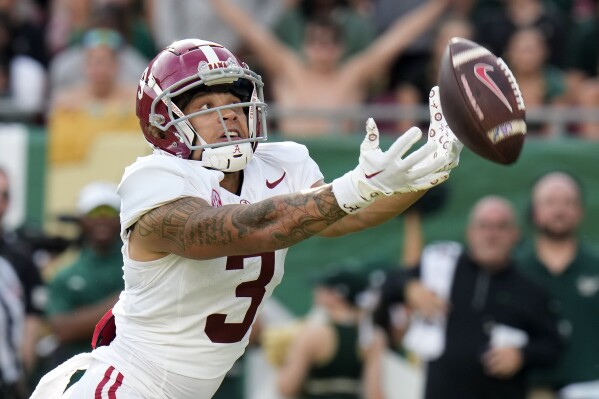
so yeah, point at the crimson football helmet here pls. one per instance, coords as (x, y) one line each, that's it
(194, 64)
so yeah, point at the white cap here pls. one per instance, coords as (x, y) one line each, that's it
(97, 194)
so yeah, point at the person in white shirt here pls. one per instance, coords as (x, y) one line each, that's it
(207, 219)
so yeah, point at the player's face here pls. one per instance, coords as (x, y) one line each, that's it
(492, 234)
(209, 125)
(557, 210)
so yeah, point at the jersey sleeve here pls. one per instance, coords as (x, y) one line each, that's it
(156, 180)
(310, 171)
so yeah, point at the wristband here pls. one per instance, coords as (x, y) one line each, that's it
(347, 194)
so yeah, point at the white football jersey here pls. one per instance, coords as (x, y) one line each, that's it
(193, 317)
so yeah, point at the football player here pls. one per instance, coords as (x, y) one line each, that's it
(207, 219)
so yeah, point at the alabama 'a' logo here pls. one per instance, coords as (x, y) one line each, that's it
(481, 71)
(237, 150)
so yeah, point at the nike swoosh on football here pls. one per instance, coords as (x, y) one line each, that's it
(276, 182)
(373, 174)
(481, 71)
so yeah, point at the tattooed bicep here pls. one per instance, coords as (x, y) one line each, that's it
(169, 220)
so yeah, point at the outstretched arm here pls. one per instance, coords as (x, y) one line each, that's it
(191, 228)
(382, 210)
(443, 148)
(275, 57)
(377, 58)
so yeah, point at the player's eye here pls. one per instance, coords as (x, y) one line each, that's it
(205, 107)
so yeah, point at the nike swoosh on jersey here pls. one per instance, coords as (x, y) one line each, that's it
(373, 174)
(276, 182)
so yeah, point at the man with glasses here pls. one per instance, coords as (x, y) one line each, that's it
(21, 306)
(81, 293)
(480, 325)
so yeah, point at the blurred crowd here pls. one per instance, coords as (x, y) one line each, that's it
(74, 64)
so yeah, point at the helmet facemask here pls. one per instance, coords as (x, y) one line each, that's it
(233, 154)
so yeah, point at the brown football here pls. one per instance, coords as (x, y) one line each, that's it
(481, 101)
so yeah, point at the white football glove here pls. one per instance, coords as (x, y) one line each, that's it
(447, 144)
(387, 172)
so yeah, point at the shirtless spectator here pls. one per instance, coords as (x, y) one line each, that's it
(317, 78)
(99, 105)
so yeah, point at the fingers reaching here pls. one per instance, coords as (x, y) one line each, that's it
(404, 143)
(371, 140)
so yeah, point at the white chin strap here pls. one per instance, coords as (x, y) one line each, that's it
(229, 158)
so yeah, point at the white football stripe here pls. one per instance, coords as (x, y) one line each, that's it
(506, 130)
(466, 56)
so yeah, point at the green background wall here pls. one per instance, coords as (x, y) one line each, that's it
(473, 178)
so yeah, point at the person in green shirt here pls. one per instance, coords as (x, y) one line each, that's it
(336, 353)
(81, 293)
(568, 268)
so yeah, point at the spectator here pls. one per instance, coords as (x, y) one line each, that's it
(67, 66)
(127, 17)
(357, 30)
(582, 60)
(80, 293)
(540, 82)
(409, 66)
(476, 319)
(22, 77)
(69, 19)
(174, 19)
(26, 28)
(337, 353)
(568, 268)
(588, 100)
(22, 295)
(414, 88)
(582, 68)
(318, 81)
(100, 105)
(393, 317)
(494, 27)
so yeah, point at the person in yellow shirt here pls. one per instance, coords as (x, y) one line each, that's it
(101, 105)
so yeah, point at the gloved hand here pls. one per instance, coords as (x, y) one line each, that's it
(447, 144)
(387, 172)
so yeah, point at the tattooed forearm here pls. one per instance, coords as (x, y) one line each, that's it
(184, 224)
(291, 218)
(191, 222)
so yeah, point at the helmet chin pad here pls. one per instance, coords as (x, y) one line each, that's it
(229, 158)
